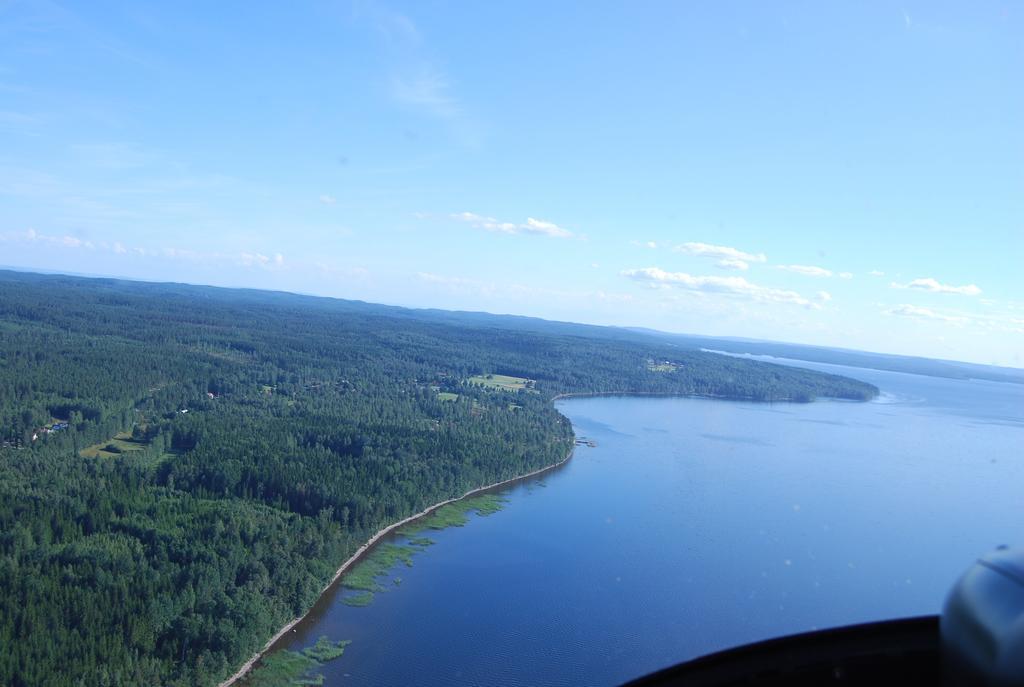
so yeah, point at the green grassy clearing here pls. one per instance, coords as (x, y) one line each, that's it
(122, 442)
(447, 396)
(502, 382)
(662, 366)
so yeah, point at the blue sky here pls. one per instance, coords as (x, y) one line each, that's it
(841, 173)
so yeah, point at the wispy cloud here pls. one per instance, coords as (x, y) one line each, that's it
(244, 258)
(33, 236)
(416, 82)
(260, 260)
(530, 226)
(429, 91)
(934, 286)
(998, 322)
(733, 264)
(806, 270)
(727, 257)
(444, 280)
(328, 199)
(920, 313)
(736, 286)
(876, 273)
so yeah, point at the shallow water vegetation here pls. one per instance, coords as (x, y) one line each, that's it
(325, 650)
(365, 575)
(456, 514)
(358, 600)
(290, 668)
(376, 564)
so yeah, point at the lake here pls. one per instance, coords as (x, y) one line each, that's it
(695, 525)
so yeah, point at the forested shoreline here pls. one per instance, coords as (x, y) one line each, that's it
(183, 468)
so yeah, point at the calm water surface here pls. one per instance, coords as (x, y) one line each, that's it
(696, 525)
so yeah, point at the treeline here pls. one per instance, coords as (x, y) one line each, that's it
(271, 435)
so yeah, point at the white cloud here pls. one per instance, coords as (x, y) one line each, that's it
(253, 259)
(733, 264)
(72, 242)
(934, 286)
(33, 236)
(727, 256)
(536, 226)
(531, 226)
(876, 273)
(328, 199)
(846, 275)
(920, 313)
(807, 270)
(824, 296)
(245, 258)
(261, 260)
(737, 286)
(432, 278)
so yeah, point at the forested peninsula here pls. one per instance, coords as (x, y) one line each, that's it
(183, 468)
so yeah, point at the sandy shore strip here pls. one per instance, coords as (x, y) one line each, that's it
(248, 665)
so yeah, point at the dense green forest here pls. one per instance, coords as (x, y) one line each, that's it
(183, 468)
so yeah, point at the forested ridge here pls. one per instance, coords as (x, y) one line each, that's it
(183, 468)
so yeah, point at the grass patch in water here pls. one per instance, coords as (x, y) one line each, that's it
(294, 668)
(420, 541)
(358, 600)
(381, 559)
(365, 575)
(325, 650)
(456, 514)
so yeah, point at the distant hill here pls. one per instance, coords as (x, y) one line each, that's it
(931, 367)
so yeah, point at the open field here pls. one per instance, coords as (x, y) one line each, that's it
(503, 382)
(122, 441)
(661, 366)
(447, 396)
